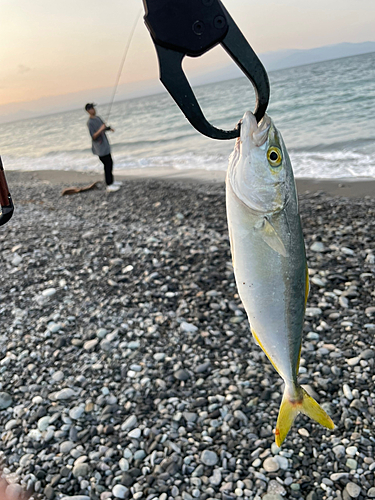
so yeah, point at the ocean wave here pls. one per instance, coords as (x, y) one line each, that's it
(325, 165)
(146, 142)
(62, 161)
(335, 165)
(336, 146)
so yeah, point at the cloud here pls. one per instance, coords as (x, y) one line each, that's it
(22, 69)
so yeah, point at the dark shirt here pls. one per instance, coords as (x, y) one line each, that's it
(100, 146)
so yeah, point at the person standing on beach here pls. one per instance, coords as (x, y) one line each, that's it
(101, 146)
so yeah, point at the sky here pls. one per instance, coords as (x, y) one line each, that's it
(58, 48)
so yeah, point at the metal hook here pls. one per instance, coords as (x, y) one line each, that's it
(7, 207)
(192, 27)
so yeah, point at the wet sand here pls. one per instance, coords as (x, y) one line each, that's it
(348, 188)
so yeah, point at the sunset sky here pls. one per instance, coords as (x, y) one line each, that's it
(55, 48)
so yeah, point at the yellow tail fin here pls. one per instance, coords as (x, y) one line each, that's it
(289, 410)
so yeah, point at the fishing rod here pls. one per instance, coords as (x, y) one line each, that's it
(6, 203)
(123, 61)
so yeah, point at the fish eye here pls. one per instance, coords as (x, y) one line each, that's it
(274, 156)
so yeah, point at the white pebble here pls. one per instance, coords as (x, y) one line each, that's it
(43, 423)
(347, 392)
(188, 327)
(135, 433)
(124, 464)
(347, 251)
(317, 246)
(351, 451)
(119, 491)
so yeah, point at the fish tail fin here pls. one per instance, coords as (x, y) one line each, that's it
(291, 406)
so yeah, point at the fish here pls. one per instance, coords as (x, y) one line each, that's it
(269, 258)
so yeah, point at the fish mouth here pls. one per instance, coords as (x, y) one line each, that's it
(257, 132)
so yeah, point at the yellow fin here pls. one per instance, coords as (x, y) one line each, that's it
(270, 236)
(263, 349)
(307, 285)
(299, 358)
(289, 410)
(313, 410)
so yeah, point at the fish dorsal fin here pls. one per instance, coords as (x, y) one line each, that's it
(270, 236)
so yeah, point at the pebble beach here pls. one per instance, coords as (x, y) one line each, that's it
(127, 367)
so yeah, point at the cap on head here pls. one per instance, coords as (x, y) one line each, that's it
(89, 105)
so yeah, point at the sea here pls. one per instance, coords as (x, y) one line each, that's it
(325, 112)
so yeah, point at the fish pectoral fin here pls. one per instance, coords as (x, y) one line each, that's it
(270, 236)
(289, 410)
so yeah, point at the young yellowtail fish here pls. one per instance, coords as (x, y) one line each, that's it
(269, 258)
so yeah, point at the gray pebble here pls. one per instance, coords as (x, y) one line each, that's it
(5, 400)
(282, 461)
(317, 281)
(26, 459)
(76, 412)
(49, 492)
(351, 463)
(80, 470)
(175, 491)
(275, 487)
(90, 344)
(347, 392)
(347, 251)
(209, 458)
(66, 446)
(76, 497)
(43, 423)
(188, 327)
(339, 451)
(216, 477)
(58, 376)
(101, 333)
(271, 464)
(343, 301)
(139, 455)
(182, 375)
(134, 344)
(353, 489)
(313, 312)
(367, 354)
(159, 356)
(66, 393)
(353, 361)
(336, 476)
(129, 423)
(312, 496)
